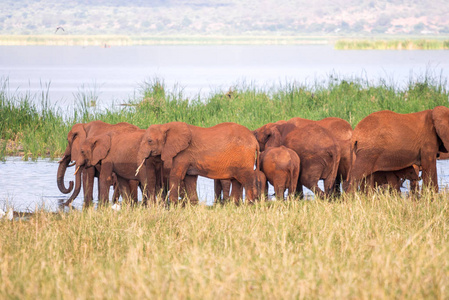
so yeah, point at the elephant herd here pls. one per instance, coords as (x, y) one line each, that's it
(384, 149)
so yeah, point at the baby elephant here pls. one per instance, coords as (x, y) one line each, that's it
(394, 179)
(281, 167)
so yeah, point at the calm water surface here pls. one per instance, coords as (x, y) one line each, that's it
(115, 75)
(29, 185)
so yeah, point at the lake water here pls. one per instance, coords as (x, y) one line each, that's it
(26, 185)
(115, 75)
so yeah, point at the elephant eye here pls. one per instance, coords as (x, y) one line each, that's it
(150, 141)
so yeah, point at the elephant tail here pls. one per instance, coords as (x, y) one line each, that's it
(352, 157)
(257, 161)
(330, 181)
(294, 176)
(257, 171)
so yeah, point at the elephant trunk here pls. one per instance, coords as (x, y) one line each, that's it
(61, 173)
(77, 187)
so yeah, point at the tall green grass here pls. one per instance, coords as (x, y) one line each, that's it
(407, 44)
(365, 247)
(34, 127)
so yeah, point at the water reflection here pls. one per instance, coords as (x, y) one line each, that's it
(28, 185)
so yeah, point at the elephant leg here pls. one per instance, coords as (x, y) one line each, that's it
(299, 189)
(226, 186)
(394, 181)
(217, 189)
(124, 189)
(88, 185)
(105, 182)
(279, 191)
(177, 174)
(414, 186)
(148, 182)
(237, 191)
(310, 181)
(337, 185)
(329, 186)
(190, 186)
(133, 187)
(362, 167)
(248, 181)
(429, 173)
(279, 185)
(117, 192)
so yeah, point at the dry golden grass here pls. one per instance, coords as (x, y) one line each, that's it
(378, 246)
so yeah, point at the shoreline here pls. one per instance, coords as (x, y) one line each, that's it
(126, 40)
(338, 42)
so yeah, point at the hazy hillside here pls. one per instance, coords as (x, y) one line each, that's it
(225, 17)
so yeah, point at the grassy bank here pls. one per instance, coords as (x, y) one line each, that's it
(393, 44)
(32, 128)
(385, 247)
(128, 40)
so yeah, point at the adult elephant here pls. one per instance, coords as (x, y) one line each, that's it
(75, 138)
(223, 151)
(341, 130)
(389, 141)
(116, 151)
(317, 149)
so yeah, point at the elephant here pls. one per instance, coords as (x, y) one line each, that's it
(116, 152)
(341, 130)
(223, 151)
(281, 167)
(316, 148)
(76, 136)
(394, 179)
(390, 141)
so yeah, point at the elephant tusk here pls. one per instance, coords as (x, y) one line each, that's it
(140, 166)
(71, 164)
(77, 169)
(61, 160)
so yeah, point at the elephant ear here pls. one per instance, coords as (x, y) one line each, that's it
(77, 135)
(440, 117)
(177, 139)
(274, 136)
(101, 147)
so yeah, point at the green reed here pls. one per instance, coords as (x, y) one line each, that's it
(406, 44)
(33, 128)
(381, 246)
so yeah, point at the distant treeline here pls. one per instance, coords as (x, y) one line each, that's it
(225, 17)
